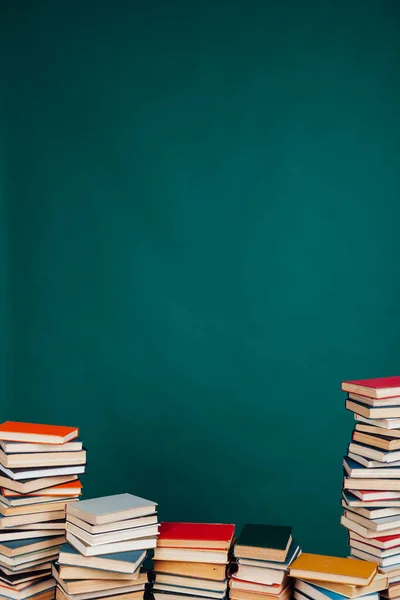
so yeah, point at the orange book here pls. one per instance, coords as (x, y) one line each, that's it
(333, 569)
(71, 488)
(41, 434)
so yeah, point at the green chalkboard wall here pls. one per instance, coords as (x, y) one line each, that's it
(204, 203)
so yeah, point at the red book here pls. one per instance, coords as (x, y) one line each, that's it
(385, 542)
(33, 432)
(213, 536)
(71, 488)
(384, 387)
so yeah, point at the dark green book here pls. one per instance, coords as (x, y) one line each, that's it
(264, 542)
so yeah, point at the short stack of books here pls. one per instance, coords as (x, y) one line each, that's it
(371, 494)
(108, 539)
(39, 467)
(330, 578)
(191, 561)
(263, 554)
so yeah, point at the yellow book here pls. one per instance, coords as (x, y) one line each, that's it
(331, 568)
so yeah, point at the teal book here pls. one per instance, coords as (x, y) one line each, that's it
(119, 562)
(264, 542)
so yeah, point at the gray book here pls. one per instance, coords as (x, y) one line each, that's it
(110, 509)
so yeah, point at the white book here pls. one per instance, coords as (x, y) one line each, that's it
(99, 539)
(86, 550)
(18, 474)
(109, 509)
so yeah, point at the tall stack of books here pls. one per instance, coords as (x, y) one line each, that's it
(191, 560)
(107, 542)
(371, 494)
(39, 468)
(263, 554)
(330, 578)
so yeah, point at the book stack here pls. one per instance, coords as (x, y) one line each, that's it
(263, 554)
(107, 542)
(39, 467)
(330, 578)
(191, 561)
(371, 494)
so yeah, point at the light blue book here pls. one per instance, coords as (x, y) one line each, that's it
(110, 509)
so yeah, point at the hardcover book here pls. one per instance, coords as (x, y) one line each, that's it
(34, 433)
(382, 387)
(331, 568)
(265, 542)
(110, 509)
(196, 535)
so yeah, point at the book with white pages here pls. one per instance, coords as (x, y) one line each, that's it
(175, 589)
(191, 582)
(26, 447)
(374, 402)
(389, 561)
(109, 509)
(356, 469)
(99, 539)
(382, 543)
(383, 423)
(377, 525)
(114, 547)
(32, 473)
(372, 464)
(372, 513)
(115, 526)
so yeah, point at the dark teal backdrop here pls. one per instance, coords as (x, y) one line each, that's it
(203, 204)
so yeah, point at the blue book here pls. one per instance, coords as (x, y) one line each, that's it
(119, 562)
(352, 468)
(316, 592)
(48, 542)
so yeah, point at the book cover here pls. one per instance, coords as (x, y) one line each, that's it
(323, 567)
(131, 557)
(317, 593)
(265, 536)
(192, 532)
(22, 432)
(33, 473)
(381, 387)
(62, 490)
(96, 509)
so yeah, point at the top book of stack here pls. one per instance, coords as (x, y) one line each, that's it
(263, 554)
(264, 542)
(381, 387)
(111, 509)
(11, 431)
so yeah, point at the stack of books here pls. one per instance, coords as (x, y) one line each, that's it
(371, 494)
(107, 542)
(191, 561)
(330, 578)
(39, 467)
(263, 554)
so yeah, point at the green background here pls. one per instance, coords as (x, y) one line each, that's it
(202, 214)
